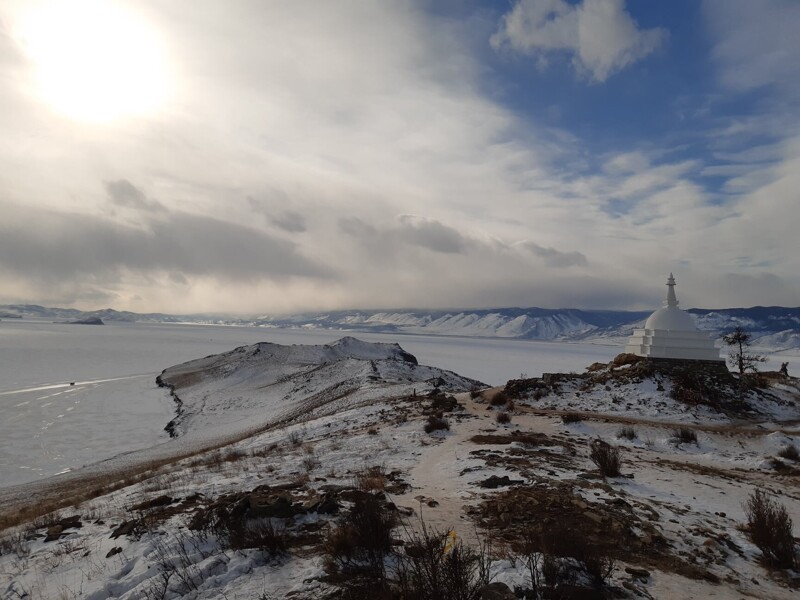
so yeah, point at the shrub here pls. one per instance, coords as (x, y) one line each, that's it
(568, 555)
(556, 571)
(684, 435)
(296, 438)
(371, 478)
(435, 567)
(499, 399)
(271, 540)
(770, 528)
(310, 462)
(529, 550)
(436, 422)
(789, 452)
(363, 538)
(568, 418)
(503, 418)
(606, 457)
(628, 433)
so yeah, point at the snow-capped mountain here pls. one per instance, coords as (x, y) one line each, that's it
(771, 326)
(774, 327)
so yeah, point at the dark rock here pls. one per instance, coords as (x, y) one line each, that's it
(114, 551)
(496, 591)
(278, 506)
(126, 528)
(71, 522)
(323, 505)
(495, 482)
(154, 503)
(637, 572)
(53, 533)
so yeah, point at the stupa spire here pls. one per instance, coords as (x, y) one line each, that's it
(672, 299)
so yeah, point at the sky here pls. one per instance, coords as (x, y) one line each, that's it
(271, 157)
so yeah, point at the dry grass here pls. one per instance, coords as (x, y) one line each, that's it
(499, 399)
(770, 528)
(371, 479)
(606, 458)
(790, 452)
(684, 435)
(571, 417)
(503, 418)
(436, 423)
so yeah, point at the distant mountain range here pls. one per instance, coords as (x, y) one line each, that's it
(772, 326)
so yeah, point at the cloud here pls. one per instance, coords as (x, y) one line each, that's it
(408, 230)
(431, 234)
(600, 35)
(273, 178)
(124, 193)
(288, 220)
(73, 246)
(556, 258)
(756, 43)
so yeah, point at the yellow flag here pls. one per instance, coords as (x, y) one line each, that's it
(451, 542)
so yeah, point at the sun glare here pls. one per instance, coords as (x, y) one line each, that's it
(95, 60)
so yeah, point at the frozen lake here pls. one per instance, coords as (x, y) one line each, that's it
(49, 426)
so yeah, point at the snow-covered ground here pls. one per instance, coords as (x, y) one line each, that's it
(49, 426)
(679, 506)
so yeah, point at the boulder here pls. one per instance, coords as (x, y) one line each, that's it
(495, 482)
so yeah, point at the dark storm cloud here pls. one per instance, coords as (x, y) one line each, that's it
(55, 246)
(124, 193)
(432, 234)
(411, 230)
(556, 258)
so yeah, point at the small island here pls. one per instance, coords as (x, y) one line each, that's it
(86, 321)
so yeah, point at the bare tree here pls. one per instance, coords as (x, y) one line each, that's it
(740, 356)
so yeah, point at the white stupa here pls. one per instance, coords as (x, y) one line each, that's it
(671, 333)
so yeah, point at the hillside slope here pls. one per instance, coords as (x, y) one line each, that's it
(264, 517)
(253, 385)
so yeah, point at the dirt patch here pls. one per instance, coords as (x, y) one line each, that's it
(555, 518)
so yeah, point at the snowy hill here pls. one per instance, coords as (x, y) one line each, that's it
(265, 383)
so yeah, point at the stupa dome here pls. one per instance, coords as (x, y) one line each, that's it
(671, 333)
(670, 318)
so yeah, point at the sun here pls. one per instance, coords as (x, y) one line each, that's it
(94, 60)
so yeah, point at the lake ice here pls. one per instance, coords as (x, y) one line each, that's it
(49, 426)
